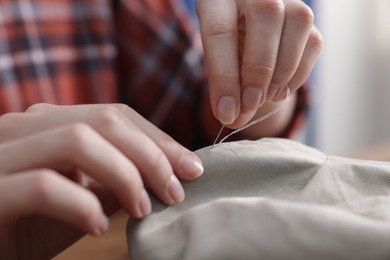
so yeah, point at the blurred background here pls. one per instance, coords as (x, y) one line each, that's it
(350, 87)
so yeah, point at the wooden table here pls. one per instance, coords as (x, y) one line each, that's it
(112, 245)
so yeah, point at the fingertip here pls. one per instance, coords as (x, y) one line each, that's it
(102, 227)
(191, 166)
(227, 111)
(141, 207)
(144, 205)
(175, 191)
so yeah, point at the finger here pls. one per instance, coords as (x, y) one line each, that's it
(297, 27)
(143, 152)
(79, 146)
(152, 162)
(264, 25)
(309, 59)
(218, 24)
(185, 163)
(47, 193)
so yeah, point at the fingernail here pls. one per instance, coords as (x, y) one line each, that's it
(175, 190)
(102, 227)
(281, 94)
(251, 98)
(144, 205)
(227, 110)
(272, 91)
(191, 165)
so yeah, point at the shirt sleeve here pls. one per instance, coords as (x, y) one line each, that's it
(59, 52)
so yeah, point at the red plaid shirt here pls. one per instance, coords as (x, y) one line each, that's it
(145, 53)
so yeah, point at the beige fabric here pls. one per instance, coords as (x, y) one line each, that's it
(272, 199)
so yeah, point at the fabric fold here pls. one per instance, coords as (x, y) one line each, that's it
(272, 199)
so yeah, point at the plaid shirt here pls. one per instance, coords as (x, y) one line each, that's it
(145, 53)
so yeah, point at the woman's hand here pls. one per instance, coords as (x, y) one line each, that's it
(254, 50)
(72, 165)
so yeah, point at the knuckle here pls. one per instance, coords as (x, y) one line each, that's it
(42, 183)
(224, 78)
(126, 111)
(78, 135)
(218, 27)
(159, 160)
(167, 140)
(38, 107)
(301, 13)
(260, 71)
(315, 42)
(269, 7)
(159, 163)
(225, 75)
(122, 107)
(110, 116)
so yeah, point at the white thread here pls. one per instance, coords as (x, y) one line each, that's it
(216, 139)
(262, 118)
